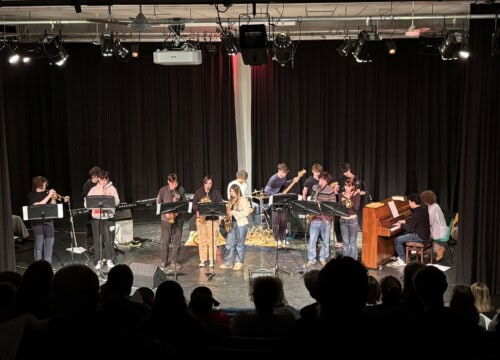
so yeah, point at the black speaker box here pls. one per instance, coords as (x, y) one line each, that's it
(297, 224)
(253, 44)
(147, 275)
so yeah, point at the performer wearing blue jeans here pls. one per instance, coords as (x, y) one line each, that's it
(349, 224)
(239, 208)
(417, 228)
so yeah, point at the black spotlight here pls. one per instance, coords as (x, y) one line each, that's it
(230, 42)
(55, 50)
(120, 50)
(283, 48)
(451, 44)
(368, 43)
(346, 48)
(391, 47)
(107, 44)
(253, 44)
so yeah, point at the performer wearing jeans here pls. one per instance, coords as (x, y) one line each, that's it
(171, 224)
(349, 224)
(322, 223)
(239, 209)
(89, 184)
(417, 228)
(101, 223)
(43, 230)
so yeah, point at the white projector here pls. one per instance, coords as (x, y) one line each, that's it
(177, 57)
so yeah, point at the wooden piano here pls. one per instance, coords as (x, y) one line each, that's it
(379, 230)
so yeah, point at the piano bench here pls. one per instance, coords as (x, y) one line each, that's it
(419, 248)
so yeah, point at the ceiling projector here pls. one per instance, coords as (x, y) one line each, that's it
(186, 56)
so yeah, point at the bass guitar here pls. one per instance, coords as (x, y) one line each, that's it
(299, 175)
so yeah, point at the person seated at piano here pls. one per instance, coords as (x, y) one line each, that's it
(171, 223)
(322, 223)
(241, 181)
(417, 228)
(437, 221)
(277, 183)
(349, 225)
(101, 221)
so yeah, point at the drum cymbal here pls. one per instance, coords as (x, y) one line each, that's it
(261, 196)
(258, 192)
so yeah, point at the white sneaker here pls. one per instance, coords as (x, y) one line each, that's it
(398, 263)
(110, 264)
(202, 264)
(98, 265)
(279, 242)
(211, 264)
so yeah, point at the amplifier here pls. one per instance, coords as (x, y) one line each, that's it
(254, 273)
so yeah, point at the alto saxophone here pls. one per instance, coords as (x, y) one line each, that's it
(175, 198)
(206, 199)
(347, 203)
(228, 220)
(309, 217)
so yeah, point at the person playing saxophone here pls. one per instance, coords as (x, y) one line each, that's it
(171, 223)
(321, 223)
(237, 216)
(206, 225)
(349, 225)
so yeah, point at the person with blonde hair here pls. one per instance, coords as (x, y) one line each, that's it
(439, 228)
(482, 301)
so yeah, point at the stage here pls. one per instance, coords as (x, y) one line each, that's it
(230, 287)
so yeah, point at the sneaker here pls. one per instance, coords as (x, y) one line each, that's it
(286, 242)
(211, 264)
(310, 264)
(322, 262)
(202, 264)
(224, 266)
(110, 264)
(237, 266)
(163, 265)
(176, 265)
(398, 263)
(98, 265)
(279, 242)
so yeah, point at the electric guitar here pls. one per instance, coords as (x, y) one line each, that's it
(299, 175)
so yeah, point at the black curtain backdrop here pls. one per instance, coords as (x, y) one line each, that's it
(478, 248)
(395, 120)
(136, 119)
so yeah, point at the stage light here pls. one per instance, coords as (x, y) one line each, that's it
(54, 49)
(120, 50)
(283, 48)
(391, 47)
(368, 43)
(107, 44)
(13, 57)
(253, 44)
(451, 44)
(230, 42)
(346, 48)
(464, 52)
(135, 50)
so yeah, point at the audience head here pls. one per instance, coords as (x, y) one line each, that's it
(311, 282)
(75, 291)
(147, 295)
(430, 285)
(482, 299)
(391, 290)
(202, 300)
(374, 291)
(169, 299)
(462, 305)
(11, 277)
(120, 280)
(267, 292)
(342, 284)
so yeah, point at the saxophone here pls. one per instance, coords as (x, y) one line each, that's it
(228, 220)
(347, 203)
(309, 217)
(175, 197)
(206, 199)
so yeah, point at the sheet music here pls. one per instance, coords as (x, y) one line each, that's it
(394, 209)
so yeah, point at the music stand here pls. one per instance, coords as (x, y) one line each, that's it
(305, 207)
(179, 207)
(280, 203)
(212, 209)
(74, 245)
(44, 212)
(334, 208)
(101, 202)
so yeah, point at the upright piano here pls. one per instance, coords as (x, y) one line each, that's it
(380, 229)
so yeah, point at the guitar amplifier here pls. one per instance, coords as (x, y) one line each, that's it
(254, 273)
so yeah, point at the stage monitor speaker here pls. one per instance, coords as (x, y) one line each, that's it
(297, 224)
(254, 273)
(147, 275)
(253, 44)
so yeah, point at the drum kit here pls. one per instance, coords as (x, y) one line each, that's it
(262, 229)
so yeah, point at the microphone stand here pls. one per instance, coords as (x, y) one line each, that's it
(73, 235)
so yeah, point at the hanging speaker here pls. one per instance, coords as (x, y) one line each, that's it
(147, 275)
(253, 44)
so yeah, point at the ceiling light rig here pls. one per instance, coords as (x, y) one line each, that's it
(368, 43)
(230, 42)
(284, 49)
(54, 50)
(455, 45)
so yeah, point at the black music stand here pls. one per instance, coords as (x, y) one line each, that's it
(74, 245)
(281, 203)
(212, 209)
(305, 207)
(334, 208)
(179, 207)
(101, 202)
(44, 212)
